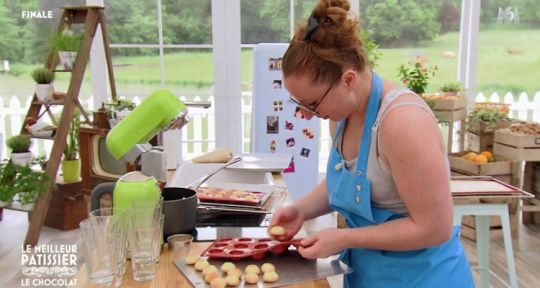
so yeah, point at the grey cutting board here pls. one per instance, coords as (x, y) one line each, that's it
(290, 266)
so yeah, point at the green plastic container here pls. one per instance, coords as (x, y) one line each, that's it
(71, 170)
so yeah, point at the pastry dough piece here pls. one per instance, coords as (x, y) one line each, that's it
(270, 277)
(209, 269)
(227, 266)
(232, 280)
(218, 283)
(235, 271)
(208, 277)
(267, 267)
(251, 278)
(191, 259)
(201, 264)
(252, 268)
(277, 231)
(221, 155)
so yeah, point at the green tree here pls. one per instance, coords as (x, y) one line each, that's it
(187, 21)
(9, 32)
(401, 23)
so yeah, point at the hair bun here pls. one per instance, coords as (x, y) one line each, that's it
(332, 11)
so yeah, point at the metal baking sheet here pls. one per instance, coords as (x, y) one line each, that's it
(291, 267)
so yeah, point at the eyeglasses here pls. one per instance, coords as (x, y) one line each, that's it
(311, 108)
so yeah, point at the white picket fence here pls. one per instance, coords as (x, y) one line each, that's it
(199, 135)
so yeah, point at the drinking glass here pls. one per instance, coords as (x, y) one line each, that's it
(99, 247)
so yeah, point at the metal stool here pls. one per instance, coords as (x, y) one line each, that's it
(482, 213)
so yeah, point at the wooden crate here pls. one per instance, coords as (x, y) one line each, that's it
(451, 115)
(68, 206)
(502, 166)
(443, 104)
(531, 184)
(516, 147)
(479, 142)
(482, 127)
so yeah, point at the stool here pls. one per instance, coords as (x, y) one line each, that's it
(482, 213)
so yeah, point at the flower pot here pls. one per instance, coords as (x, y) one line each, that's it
(44, 92)
(71, 170)
(67, 58)
(21, 159)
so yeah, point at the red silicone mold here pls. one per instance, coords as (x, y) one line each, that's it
(240, 248)
(229, 195)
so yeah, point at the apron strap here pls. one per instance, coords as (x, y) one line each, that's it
(371, 115)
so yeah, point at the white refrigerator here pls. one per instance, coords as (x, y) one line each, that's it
(277, 124)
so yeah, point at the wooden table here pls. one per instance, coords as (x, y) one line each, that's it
(168, 275)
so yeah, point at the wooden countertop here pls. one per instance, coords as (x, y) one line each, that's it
(168, 275)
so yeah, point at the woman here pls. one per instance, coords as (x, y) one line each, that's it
(387, 172)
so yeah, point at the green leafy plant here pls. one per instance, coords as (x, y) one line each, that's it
(371, 48)
(21, 181)
(452, 87)
(19, 144)
(119, 105)
(416, 76)
(490, 116)
(43, 75)
(71, 151)
(65, 41)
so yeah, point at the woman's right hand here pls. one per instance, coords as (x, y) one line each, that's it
(288, 217)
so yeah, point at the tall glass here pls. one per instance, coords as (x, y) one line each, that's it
(121, 238)
(100, 245)
(144, 236)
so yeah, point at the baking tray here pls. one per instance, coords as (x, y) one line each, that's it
(484, 186)
(291, 267)
(260, 196)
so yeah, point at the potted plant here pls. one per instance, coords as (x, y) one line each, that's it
(487, 117)
(452, 88)
(118, 110)
(44, 88)
(21, 183)
(71, 164)
(20, 150)
(416, 78)
(66, 44)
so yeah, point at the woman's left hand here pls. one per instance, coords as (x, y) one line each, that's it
(322, 244)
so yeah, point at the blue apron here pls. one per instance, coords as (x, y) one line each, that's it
(444, 265)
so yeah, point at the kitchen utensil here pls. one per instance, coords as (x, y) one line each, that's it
(180, 209)
(240, 248)
(195, 185)
(291, 267)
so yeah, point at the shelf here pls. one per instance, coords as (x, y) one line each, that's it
(19, 207)
(54, 103)
(41, 137)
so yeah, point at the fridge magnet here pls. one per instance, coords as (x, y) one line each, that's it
(276, 84)
(275, 63)
(290, 142)
(289, 125)
(298, 113)
(278, 105)
(273, 146)
(272, 124)
(305, 152)
(308, 133)
(290, 169)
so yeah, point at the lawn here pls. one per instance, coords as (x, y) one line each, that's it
(498, 70)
